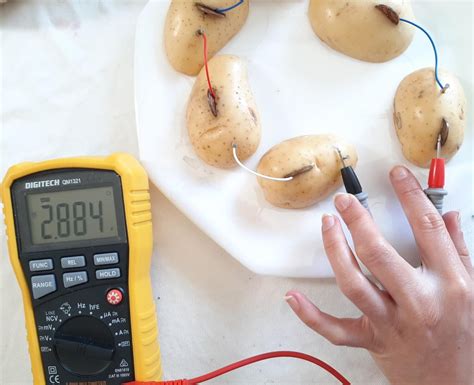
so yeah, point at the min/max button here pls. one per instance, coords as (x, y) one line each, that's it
(108, 273)
(106, 259)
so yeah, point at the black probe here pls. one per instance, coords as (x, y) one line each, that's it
(351, 182)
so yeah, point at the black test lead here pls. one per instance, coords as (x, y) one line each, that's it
(435, 190)
(351, 182)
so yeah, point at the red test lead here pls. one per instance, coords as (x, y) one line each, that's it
(246, 362)
(435, 190)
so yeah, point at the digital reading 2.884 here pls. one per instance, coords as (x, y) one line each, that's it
(80, 240)
(72, 215)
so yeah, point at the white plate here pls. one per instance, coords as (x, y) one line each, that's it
(301, 87)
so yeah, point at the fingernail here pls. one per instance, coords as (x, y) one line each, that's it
(327, 222)
(292, 301)
(459, 219)
(342, 201)
(399, 173)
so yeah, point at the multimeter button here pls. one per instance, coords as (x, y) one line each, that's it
(42, 285)
(74, 279)
(106, 259)
(41, 265)
(72, 262)
(114, 296)
(108, 273)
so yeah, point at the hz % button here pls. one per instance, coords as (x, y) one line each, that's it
(114, 296)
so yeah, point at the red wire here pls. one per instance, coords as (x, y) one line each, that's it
(249, 361)
(211, 90)
(266, 356)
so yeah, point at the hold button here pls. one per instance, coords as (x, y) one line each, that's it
(108, 273)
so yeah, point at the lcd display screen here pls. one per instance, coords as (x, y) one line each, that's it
(73, 215)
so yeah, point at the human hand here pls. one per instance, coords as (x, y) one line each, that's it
(418, 324)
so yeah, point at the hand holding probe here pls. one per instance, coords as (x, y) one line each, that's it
(351, 182)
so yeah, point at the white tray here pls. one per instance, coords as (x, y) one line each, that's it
(301, 87)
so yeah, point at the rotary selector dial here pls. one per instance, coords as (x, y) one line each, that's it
(84, 345)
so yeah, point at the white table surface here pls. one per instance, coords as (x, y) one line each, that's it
(67, 90)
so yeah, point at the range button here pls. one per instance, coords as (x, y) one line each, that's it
(42, 285)
(106, 259)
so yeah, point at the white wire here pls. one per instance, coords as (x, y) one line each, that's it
(234, 151)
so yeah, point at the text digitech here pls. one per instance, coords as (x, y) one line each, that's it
(42, 183)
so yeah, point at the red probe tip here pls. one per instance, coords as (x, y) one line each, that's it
(436, 177)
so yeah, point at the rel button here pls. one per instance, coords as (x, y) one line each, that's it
(73, 262)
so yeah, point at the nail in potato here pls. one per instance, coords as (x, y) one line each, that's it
(360, 30)
(294, 157)
(422, 112)
(237, 121)
(183, 47)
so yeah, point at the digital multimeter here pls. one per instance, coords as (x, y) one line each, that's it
(80, 240)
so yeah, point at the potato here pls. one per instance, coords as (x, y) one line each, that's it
(357, 29)
(294, 156)
(183, 47)
(419, 110)
(237, 121)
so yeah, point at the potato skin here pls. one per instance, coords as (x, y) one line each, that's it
(237, 121)
(311, 187)
(183, 47)
(357, 29)
(419, 109)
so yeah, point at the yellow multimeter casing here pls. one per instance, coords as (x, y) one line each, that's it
(138, 224)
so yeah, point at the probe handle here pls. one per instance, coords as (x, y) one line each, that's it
(353, 186)
(363, 198)
(351, 182)
(436, 176)
(436, 196)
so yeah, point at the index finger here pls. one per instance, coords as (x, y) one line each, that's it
(383, 261)
(437, 250)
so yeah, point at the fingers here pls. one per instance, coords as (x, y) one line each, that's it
(436, 247)
(453, 226)
(392, 271)
(350, 279)
(339, 331)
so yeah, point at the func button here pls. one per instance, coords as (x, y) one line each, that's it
(73, 262)
(42, 285)
(74, 279)
(41, 265)
(107, 273)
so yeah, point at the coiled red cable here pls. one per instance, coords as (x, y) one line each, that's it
(249, 361)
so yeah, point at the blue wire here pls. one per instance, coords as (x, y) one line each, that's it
(434, 49)
(224, 10)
